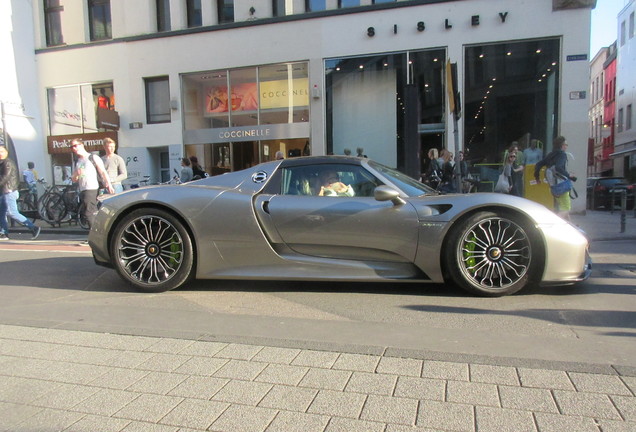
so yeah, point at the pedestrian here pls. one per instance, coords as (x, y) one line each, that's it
(556, 163)
(533, 154)
(9, 182)
(115, 165)
(87, 170)
(186, 171)
(197, 171)
(30, 177)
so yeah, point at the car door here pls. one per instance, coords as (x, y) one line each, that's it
(340, 226)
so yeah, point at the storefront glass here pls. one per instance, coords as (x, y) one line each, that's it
(266, 110)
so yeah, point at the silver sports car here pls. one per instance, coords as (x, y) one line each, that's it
(333, 218)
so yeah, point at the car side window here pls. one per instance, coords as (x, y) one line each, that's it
(329, 180)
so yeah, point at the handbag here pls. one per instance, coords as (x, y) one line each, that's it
(502, 186)
(561, 188)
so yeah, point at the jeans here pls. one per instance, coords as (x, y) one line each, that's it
(4, 227)
(11, 202)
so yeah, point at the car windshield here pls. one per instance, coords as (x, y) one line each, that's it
(408, 185)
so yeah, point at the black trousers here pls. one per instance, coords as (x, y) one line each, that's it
(89, 199)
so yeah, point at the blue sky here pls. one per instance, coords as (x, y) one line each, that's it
(604, 23)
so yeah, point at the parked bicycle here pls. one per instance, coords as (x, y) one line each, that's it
(62, 204)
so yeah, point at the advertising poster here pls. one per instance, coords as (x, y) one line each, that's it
(243, 97)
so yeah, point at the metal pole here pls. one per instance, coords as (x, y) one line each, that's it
(623, 209)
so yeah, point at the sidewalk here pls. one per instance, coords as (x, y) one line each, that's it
(599, 226)
(65, 380)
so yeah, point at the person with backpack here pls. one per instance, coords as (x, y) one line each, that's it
(88, 169)
(556, 173)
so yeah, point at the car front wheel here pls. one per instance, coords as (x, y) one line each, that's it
(152, 250)
(493, 254)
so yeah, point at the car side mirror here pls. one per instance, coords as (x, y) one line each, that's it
(386, 193)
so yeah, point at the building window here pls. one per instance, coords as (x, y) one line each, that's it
(163, 15)
(282, 7)
(195, 17)
(619, 126)
(623, 33)
(53, 22)
(511, 94)
(383, 1)
(157, 100)
(99, 19)
(225, 11)
(315, 5)
(348, 3)
(628, 117)
(631, 25)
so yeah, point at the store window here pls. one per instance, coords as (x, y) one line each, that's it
(73, 109)
(383, 1)
(511, 94)
(315, 5)
(163, 15)
(99, 19)
(194, 14)
(53, 22)
(390, 105)
(348, 3)
(157, 99)
(225, 10)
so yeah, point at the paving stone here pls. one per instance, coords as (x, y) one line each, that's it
(149, 408)
(286, 421)
(445, 370)
(78, 354)
(239, 351)
(106, 402)
(276, 355)
(36, 368)
(203, 348)
(49, 420)
(282, 374)
(149, 427)
(547, 379)
(129, 359)
(596, 383)
(244, 419)
(527, 398)
(195, 413)
(157, 382)
(357, 362)
(24, 390)
(199, 387)
(446, 416)
(339, 424)
(326, 379)
(372, 383)
(494, 374)
(13, 414)
(206, 366)
(490, 419)
(164, 362)
(119, 378)
(472, 393)
(92, 423)
(390, 410)
(630, 382)
(616, 426)
(65, 396)
(586, 404)
(169, 346)
(400, 366)
(243, 392)
(420, 388)
(22, 348)
(626, 406)
(289, 398)
(318, 359)
(338, 404)
(547, 422)
(404, 428)
(241, 370)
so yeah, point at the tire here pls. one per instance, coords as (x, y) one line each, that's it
(27, 207)
(152, 250)
(51, 208)
(493, 254)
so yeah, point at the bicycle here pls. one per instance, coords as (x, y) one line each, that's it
(50, 205)
(74, 207)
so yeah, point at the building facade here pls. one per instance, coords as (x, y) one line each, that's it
(624, 155)
(597, 112)
(234, 82)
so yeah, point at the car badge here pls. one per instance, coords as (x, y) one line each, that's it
(259, 177)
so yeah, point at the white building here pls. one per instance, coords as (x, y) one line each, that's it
(235, 81)
(625, 142)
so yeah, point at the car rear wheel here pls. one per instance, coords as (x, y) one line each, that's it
(493, 254)
(153, 251)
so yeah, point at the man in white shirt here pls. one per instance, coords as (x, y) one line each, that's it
(87, 169)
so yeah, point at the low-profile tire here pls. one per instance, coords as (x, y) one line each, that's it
(152, 250)
(493, 254)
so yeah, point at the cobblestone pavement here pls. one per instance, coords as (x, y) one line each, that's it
(67, 380)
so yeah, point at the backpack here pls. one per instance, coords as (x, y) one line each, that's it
(100, 180)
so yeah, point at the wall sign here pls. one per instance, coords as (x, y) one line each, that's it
(576, 57)
(92, 141)
(420, 26)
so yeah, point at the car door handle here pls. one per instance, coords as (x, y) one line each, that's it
(265, 206)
